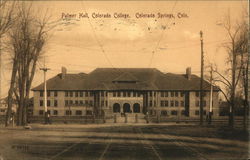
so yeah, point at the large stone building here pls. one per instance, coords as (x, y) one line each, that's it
(107, 91)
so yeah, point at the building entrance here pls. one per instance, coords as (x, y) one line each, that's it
(126, 108)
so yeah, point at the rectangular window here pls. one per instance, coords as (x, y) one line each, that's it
(41, 102)
(81, 94)
(150, 103)
(90, 103)
(66, 102)
(48, 103)
(183, 112)
(40, 112)
(68, 112)
(172, 103)
(162, 94)
(182, 103)
(48, 93)
(41, 93)
(182, 94)
(124, 94)
(71, 93)
(76, 94)
(166, 103)
(150, 94)
(166, 94)
(86, 102)
(90, 94)
(173, 112)
(81, 102)
(76, 102)
(162, 103)
(86, 93)
(197, 94)
(172, 94)
(88, 112)
(128, 94)
(55, 112)
(118, 94)
(197, 112)
(55, 103)
(138, 94)
(176, 94)
(102, 93)
(134, 94)
(55, 93)
(48, 112)
(176, 103)
(164, 113)
(78, 112)
(197, 103)
(66, 93)
(70, 102)
(114, 94)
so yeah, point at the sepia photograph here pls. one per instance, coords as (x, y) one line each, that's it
(124, 80)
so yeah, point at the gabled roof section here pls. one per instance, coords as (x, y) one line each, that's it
(126, 77)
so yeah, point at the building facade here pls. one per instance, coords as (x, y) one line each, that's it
(109, 91)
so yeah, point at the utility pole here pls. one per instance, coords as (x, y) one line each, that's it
(211, 97)
(45, 95)
(201, 80)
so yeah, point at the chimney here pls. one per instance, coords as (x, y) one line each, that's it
(64, 71)
(188, 73)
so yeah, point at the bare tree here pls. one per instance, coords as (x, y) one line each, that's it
(237, 40)
(27, 39)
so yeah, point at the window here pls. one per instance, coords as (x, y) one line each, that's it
(182, 94)
(114, 94)
(138, 94)
(182, 103)
(102, 103)
(118, 94)
(166, 103)
(48, 102)
(150, 94)
(86, 102)
(78, 112)
(81, 94)
(55, 112)
(40, 112)
(48, 93)
(154, 103)
(90, 103)
(197, 112)
(55, 103)
(90, 94)
(172, 103)
(41, 102)
(173, 112)
(48, 111)
(76, 102)
(66, 93)
(176, 103)
(197, 94)
(162, 103)
(87, 94)
(176, 94)
(162, 94)
(124, 94)
(204, 103)
(197, 103)
(68, 112)
(102, 93)
(55, 93)
(70, 102)
(106, 103)
(81, 102)
(166, 94)
(172, 94)
(76, 94)
(66, 102)
(150, 103)
(71, 94)
(41, 93)
(88, 112)
(134, 94)
(128, 94)
(183, 112)
(164, 113)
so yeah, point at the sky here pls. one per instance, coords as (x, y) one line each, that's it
(170, 44)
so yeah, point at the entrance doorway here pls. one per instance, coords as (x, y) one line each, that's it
(116, 108)
(126, 108)
(136, 108)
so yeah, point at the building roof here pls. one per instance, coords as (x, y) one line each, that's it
(125, 79)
